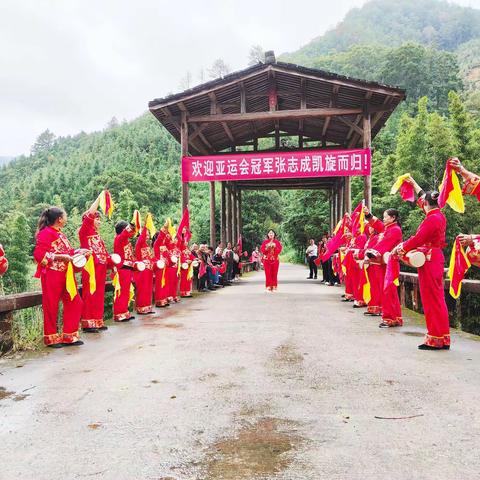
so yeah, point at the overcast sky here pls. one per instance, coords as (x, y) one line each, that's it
(71, 65)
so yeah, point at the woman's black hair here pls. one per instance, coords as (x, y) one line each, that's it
(49, 216)
(120, 226)
(272, 230)
(431, 197)
(393, 212)
(154, 238)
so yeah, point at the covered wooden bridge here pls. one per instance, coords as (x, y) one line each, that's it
(312, 108)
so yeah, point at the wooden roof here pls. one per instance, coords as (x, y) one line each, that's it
(314, 104)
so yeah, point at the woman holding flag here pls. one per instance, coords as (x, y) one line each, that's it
(54, 256)
(271, 249)
(186, 272)
(124, 275)
(144, 278)
(94, 274)
(430, 236)
(162, 262)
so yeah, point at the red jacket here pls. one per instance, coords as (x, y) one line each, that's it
(271, 254)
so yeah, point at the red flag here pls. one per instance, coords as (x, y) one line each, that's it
(202, 270)
(335, 242)
(185, 223)
(239, 245)
(407, 192)
(392, 274)
(358, 219)
(459, 265)
(223, 268)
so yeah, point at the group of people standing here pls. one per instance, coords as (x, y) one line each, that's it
(157, 271)
(367, 261)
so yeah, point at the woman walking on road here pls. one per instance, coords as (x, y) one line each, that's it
(271, 249)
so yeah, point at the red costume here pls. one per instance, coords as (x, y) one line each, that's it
(3, 261)
(390, 236)
(144, 279)
(186, 274)
(358, 244)
(161, 277)
(53, 276)
(173, 273)
(93, 304)
(431, 236)
(271, 262)
(123, 247)
(471, 186)
(374, 273)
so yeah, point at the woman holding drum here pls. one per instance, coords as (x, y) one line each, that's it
(430, 237)
(143, 275)
(384, 299)
(186, 272)
(54, 256)
(162, 261)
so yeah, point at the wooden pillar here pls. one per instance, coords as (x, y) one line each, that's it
(213, 239)
(239, 217)
(228, 219)
(223, 223)
(184, 149)
(367, 143)
(234, 214)
(341, 198)
(347, 196)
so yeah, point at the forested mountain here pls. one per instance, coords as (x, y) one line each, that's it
(428, 47)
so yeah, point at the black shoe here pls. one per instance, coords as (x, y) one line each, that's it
(74, 344)
(359, 306)
(369, 314)
(131, 317)
(212, 289)
(384, 325)
(428, 347)
(103, 328)
(446, 347)
(309, 278)
(315, 278)
(55, 345)
(90, 330)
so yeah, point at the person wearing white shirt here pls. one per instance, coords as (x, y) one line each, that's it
(312, 255)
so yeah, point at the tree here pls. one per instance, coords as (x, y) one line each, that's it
(43, 143)
(186, 81)
(218, 69)
(256, 55)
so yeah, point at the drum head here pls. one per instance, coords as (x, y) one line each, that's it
(416, 259)
(116, 259)
(174, 259)
(195, 263)
(386, 256)
(160, 264)
(79, 260)
(184, 265)
(140, 266)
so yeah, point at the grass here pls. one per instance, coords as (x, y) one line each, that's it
(27, 329)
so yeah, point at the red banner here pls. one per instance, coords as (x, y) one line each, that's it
(262, 165)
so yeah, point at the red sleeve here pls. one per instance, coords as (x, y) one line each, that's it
(87, 228)
(391, 238)
(376, 224)
(141, 243)
(278, 247)
(424, 233)
(43, 245)
(263, 248)
(360, 241)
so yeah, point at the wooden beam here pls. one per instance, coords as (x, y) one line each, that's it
(350, 124)
(272, 92)
(243, 102)
(218, 112)
(332, 103)
(212, 215)
(234, 214)
(184, 150)
(198, 146)
(355, 139)
(282, 114)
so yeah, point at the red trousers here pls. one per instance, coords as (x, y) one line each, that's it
(391, 308)
(357, 286)
(185, 284)
(54, 290)
(349, 284)
(143, 291)
(161, 293)
(120, 304)
(93, 305)
(271, 272)
(173, 283)
(375, 276)
(430, 279)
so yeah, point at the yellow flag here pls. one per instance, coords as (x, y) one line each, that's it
(344, 268)
(116, 285)
(71, 285)
(455, 199)
(190, 272)
(90, 268)
(171, 229)
(149, 225)
(398, 183)
(163, 276)
(367, 290)
(132, 293)
(137, 221)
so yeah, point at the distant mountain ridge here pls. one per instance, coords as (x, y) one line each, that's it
(4, 160)
(435, 23)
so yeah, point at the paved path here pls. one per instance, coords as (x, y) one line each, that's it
(243, 384)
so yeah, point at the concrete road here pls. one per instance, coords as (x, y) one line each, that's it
(243, 384)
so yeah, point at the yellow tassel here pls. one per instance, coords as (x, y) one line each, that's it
(90, 269)
(71, 285)
(163, 276)
(190, 272)
(132, 293)
(116, 285)
(367, 291)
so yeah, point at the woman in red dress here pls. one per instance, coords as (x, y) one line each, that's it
(93, 303)
(144, 279)
(271, 249)
(186, 272)
(430, 236)
(162, 262)
(54, 254)
(390, 235)
(123, 247)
